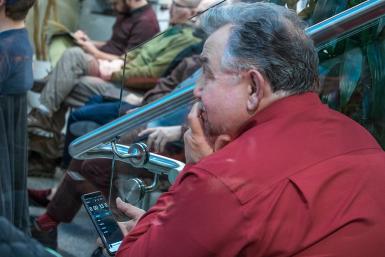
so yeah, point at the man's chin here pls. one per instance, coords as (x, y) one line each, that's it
(210, 136)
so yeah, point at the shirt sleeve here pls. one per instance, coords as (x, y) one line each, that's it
(199, 216)
(151, 70)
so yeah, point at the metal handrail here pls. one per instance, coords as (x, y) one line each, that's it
(137, 155)
(336, 26)
(345, 22)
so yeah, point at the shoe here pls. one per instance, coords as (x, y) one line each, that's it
(39, 197)
(47, 238)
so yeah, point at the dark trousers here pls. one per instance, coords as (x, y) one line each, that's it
(67, 202)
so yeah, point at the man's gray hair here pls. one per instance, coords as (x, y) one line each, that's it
(269, 38)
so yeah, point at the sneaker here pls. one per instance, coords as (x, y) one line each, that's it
(47, 238)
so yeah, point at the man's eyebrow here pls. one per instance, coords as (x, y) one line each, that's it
(205, 64)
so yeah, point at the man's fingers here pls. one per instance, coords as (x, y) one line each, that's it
(194, 119)
(126, 226)
(157, 143)
(128, 209)
(81, 35)
(151, 138)
(99, 242)
(80, 42)
(123, 228)
(146, 131)
(162, 145)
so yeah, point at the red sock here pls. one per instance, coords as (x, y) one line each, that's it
(45, 222)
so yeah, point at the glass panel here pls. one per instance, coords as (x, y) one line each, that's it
(351, 76)
(166, 64)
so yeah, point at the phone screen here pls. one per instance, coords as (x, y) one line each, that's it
(101, 215)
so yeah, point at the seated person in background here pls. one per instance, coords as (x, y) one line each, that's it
(146, 63)
(101, 111)
(135, 23)
(86, 176)
(271, 171)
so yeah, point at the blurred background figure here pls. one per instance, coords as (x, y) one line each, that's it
(15, 80)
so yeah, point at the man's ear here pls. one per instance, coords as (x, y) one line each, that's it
(2, 2)
(255, 90)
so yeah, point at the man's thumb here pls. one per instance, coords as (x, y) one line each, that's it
(129, 210)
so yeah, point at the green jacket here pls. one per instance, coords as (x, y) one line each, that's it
(146, 64)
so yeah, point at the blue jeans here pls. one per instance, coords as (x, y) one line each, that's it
(99, 110)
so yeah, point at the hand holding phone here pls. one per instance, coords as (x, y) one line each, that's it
(132, 212)
(103, 220)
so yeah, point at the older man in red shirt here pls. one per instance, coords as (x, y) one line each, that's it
(271, 170)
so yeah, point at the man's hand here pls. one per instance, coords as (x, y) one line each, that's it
(85, 43)
(80, 36)
(158, 137)
(106, 68)
(196, 145)
(131, 212)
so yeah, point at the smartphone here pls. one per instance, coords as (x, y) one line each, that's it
(104, 222)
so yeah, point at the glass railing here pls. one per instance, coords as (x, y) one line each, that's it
(327, 33)
(351, 51)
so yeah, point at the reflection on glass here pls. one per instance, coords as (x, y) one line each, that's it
(351, 72)
(352, 75)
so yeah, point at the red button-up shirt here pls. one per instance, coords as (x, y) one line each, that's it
(302, 180)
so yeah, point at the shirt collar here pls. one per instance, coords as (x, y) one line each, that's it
(140, 9)
(290, 104)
